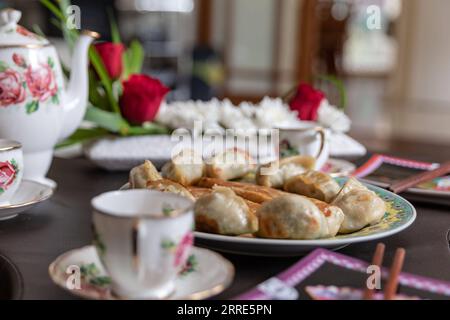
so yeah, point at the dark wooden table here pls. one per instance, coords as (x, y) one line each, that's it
(34, 239)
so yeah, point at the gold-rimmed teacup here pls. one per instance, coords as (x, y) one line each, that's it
(143, 238)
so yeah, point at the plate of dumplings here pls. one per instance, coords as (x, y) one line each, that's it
(282, 208)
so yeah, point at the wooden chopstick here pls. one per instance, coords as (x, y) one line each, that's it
(377, 260)
(411, 181)
(390, 289)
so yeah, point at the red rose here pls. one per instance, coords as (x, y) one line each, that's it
(141, 98)
(19, 60)
(11, 88)
(41, 81)
(111, 54)
(306, 102)
(7, 174)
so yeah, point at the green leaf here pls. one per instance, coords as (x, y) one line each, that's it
(70, 35)
(339, 84)
(110, 121)
(101, 281)
(167, 244)
(115, 34)
(104, 78)
(54, 9)
(38, 30)
(55, 99)
(32, 106)
(3, 66)
(133, 58)
(96, 98)
(50, 62)
(82, 135)
(147, 128)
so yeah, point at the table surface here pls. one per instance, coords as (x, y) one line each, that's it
(34, 239)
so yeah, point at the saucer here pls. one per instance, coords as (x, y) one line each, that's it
(206, 274)
(29, 194)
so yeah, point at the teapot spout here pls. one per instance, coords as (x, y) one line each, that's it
(75, 101)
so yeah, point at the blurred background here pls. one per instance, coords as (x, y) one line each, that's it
(393, 55)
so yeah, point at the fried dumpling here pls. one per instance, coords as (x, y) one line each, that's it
(166, 185)
(297, 217)
(223, 212)
(231, 164)
(360, 205)
(313, 184)
(247, 191)
(185, 168)
(283, 170)
(140, 175)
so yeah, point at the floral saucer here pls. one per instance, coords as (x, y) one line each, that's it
(29, 194)
(206, 274)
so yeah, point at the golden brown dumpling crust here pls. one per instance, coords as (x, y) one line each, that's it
(258, 194)
(360, 205)
(186, 168)
(198, 192)
(280, 171)
(140, 175)
(223, 212)
(297, 217)
(166, 185)
(231, 164)
(205, 224)
(313, 184)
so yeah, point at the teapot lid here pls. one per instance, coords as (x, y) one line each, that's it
(12, 34)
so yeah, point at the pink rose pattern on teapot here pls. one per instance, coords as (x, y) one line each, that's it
(36, 81)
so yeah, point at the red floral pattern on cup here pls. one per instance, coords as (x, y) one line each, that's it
(182, 249)
(11, 88)
(8, 174)
(41, 81)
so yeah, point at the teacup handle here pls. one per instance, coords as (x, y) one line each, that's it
(321, 132)
(138, 231)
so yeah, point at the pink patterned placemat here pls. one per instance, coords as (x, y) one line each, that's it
(283, 286)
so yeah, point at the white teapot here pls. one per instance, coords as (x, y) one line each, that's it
(35, 106)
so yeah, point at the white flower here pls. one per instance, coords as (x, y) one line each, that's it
(273, 113)
(232, 117)
(331, 117)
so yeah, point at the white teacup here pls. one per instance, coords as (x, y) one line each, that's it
(308, 139)
(11, 169)
(143, 238)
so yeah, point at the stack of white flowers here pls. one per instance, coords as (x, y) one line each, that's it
(222, 114)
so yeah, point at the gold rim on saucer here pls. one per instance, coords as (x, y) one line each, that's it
(29, 203)
(54, 273)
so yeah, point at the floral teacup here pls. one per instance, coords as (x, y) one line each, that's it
(309, 139)
(143, 238)
(11, 169)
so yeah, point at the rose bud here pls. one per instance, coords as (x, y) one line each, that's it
(19, 60)
(306, 102)
(141, 98)
(111, 54)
